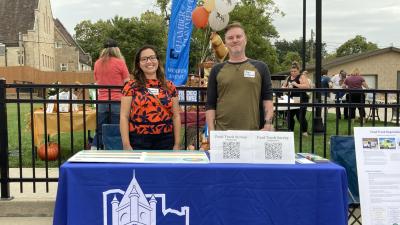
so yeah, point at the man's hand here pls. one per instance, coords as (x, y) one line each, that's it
(268, 127)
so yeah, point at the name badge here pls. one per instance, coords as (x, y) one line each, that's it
(153, 91)
(249, 73)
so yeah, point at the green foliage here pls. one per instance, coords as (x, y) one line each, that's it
(199, 47)
(289, 58)
(92, 36)
(356, 45)
(283, 47)
(130, 33)
(256, 17)
(151, 28)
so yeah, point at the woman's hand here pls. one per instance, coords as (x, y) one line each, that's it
(176, 147)
(127, 147)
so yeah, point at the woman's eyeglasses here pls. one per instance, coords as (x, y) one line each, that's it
(152, 58)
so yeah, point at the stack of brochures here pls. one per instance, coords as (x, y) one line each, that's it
(140, 156)
(313, 157)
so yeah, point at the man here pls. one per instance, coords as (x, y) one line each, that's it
(239, 94)
(325, 83)
(337, 82)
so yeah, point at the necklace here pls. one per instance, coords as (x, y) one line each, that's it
(237, 66)
(238, 63)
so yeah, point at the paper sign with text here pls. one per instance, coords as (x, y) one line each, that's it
(378, 169)
(252, 147)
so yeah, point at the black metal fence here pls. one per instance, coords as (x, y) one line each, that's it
(24, 122)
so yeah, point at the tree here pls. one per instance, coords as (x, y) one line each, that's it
(130, 33)
(92, 36)
(284, 47)
(356, 45)
(289, 59)
(256, 18)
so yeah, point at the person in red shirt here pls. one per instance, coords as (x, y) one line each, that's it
(109, 69)
(150, 117)
(356, 81)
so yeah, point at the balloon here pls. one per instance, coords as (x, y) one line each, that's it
(225, 6)
(200, 17)
(220, 50)
(209, 5)
(52, 151)
(217, 21)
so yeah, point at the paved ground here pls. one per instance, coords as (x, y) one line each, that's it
(26, 220)
(29, 208)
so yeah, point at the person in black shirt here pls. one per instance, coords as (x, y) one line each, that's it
(296, 80)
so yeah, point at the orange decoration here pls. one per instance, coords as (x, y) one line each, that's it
(200, 17)
(52, 151)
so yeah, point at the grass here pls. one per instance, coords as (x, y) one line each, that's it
(22, 143)
(322, 141)
(29, 159)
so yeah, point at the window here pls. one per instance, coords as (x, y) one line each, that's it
(63, 67)
(58, 44)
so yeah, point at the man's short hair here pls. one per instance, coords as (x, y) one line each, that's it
(234, 25)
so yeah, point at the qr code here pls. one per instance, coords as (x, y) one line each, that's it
(273, 150)
(231, 150)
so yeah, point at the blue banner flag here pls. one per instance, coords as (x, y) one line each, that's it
(180, 30)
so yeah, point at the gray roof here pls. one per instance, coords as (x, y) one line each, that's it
(350, 58)
(16, 16)
(327, 64)
(83, 56)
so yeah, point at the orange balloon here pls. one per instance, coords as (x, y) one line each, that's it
(52, 151)
(200, 17)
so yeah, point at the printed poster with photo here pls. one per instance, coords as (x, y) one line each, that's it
(378, 169)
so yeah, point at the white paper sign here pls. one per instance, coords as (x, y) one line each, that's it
(191, 96)
(378, 169)
(252, 147)
(65, 106)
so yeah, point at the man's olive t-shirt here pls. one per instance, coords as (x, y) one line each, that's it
(236, 91)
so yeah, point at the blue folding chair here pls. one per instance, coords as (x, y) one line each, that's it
(343, 153)
(111, 137)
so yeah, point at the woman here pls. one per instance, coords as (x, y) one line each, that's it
(356, 81)
(296, 80)
(150, 117)
(109, 69)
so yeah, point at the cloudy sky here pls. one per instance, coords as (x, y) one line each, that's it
(378, 21)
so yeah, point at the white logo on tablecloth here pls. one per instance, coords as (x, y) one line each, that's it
(135, 207)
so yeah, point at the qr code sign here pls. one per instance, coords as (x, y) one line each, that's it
(273, 150)
(231, 150)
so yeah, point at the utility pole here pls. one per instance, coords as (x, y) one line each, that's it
(318, 124)
(312, 46)
(304, 37)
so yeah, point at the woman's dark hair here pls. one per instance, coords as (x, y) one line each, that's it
(138, 73)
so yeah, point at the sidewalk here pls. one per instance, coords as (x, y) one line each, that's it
(29, 207)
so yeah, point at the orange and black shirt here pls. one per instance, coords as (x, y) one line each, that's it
(151, 113)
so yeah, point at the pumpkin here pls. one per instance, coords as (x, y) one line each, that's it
(52, 151)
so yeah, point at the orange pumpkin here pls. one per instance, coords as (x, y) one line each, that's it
(200, 17)
(52, 151)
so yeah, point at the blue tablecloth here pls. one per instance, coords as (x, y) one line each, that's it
(209, 194)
